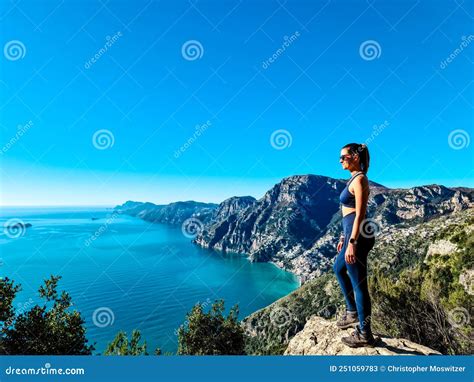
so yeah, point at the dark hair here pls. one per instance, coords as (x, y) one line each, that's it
(362, 150)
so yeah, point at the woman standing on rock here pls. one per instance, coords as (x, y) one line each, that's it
(354, 245)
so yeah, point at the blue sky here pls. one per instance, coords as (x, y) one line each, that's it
(321, 91)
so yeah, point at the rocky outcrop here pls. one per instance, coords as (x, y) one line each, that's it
(322, 337)
(173, 213)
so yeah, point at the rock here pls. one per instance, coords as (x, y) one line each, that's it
(322, 337)
(441, 247)
(466, 279)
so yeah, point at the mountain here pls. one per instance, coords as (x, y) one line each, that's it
(296, 224)
(173, 213)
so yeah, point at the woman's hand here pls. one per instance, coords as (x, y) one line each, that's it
(339, 246)
(350, 254)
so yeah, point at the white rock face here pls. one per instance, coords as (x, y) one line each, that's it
(441, 247)
(322, 337)
(466, 279)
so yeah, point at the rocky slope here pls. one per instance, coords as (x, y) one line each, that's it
(322, 337)
(173, 213)
(296, 224)
(433, 244)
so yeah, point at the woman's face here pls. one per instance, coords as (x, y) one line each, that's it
(346, 159)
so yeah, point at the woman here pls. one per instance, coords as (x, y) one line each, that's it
(353, 247)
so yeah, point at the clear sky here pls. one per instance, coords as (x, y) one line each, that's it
(275, 88)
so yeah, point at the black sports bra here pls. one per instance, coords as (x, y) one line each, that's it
(347, 199)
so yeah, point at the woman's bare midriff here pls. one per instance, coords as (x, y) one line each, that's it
(347, 210)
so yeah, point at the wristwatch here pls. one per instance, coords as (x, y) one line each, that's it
(353, 241)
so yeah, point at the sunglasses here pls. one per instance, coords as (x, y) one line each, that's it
(344, 157)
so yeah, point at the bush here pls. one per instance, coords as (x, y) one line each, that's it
(122, 346)
(211, 333)
(50, 329)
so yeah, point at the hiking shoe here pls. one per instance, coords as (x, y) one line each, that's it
(347, 320)
(359, 339)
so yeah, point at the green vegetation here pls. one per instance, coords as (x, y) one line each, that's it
(426, 303)
(211, 333)
(272, 327)
(51, 329)
(414, 296)
(122, 346)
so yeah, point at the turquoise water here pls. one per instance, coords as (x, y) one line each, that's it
(133, 274)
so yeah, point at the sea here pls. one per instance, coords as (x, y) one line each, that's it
(124, 273)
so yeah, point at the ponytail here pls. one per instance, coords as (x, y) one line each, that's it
(362, 150)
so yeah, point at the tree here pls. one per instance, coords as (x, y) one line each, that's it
(122, 346)
(51, 329)
(211, 333)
